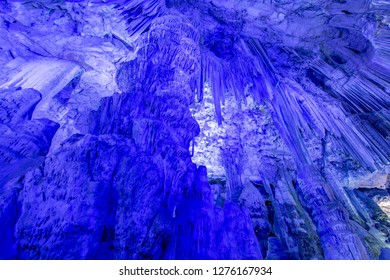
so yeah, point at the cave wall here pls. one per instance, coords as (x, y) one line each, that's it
(194, 129)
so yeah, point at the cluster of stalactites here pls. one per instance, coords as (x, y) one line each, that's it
(138, 14)
(363, 134)
(363, 101)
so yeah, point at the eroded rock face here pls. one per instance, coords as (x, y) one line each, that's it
(24, 144)
(194, 129)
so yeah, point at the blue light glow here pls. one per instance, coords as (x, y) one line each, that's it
(194, 129)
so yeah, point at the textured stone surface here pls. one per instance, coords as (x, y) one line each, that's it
(194, 129)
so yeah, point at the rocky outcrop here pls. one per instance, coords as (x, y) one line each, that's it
(24, 144)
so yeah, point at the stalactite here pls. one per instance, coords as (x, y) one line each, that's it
(201, 129)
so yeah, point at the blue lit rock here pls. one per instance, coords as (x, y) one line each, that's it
(194, 129)
(24, 144)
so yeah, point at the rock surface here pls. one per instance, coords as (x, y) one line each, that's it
(194, 129)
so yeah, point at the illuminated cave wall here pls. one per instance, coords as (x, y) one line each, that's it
(194, 129)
